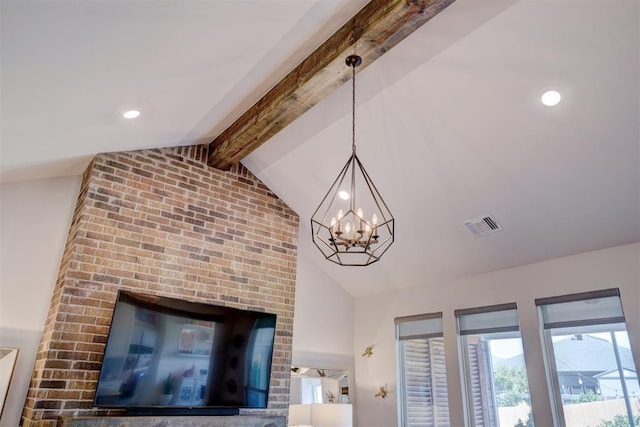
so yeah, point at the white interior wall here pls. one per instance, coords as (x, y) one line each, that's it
(323, 310)
(373, 322)
(323, 318)
(35, 218)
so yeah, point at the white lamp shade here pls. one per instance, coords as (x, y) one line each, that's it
(321, 415)
(300, 414)
(331, 415)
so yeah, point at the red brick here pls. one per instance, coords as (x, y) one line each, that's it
(161, 221)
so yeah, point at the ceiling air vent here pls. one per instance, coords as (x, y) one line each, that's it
(483, 225)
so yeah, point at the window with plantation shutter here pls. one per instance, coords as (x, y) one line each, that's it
(421, 371)
(589, 359)
(492, 363)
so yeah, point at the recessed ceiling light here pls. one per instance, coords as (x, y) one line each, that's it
(131, 114)
(343, 195)
(550, 98)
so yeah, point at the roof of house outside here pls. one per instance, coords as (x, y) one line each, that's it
(581, 353)
(615, 375)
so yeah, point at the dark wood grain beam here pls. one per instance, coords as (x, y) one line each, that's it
(375, 29)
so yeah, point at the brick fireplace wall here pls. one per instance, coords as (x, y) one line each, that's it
(162, 222)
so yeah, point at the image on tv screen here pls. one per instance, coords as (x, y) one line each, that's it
(164, 352)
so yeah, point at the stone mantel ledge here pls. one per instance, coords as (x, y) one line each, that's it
(176, 421)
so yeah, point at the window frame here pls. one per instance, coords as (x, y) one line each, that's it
(402, 413)
(464, 332)
(551, 371)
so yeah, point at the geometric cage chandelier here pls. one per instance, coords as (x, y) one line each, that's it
(353, 225)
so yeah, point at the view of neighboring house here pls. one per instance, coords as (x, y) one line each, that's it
(582, 360)
(587, 364)
(610, 381)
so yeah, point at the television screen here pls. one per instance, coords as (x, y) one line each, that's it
(164, 352)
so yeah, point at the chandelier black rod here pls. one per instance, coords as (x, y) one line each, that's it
(354, 60)
(354, 63)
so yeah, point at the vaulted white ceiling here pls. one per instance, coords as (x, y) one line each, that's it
(449, 122)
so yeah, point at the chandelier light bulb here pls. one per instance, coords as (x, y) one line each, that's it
(374, 219)
(359, 214)
(343, 195)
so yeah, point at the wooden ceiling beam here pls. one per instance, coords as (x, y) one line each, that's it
(375, 29)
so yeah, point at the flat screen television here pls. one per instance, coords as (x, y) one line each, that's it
(165, 353)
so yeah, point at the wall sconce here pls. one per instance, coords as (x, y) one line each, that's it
(382, 392)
